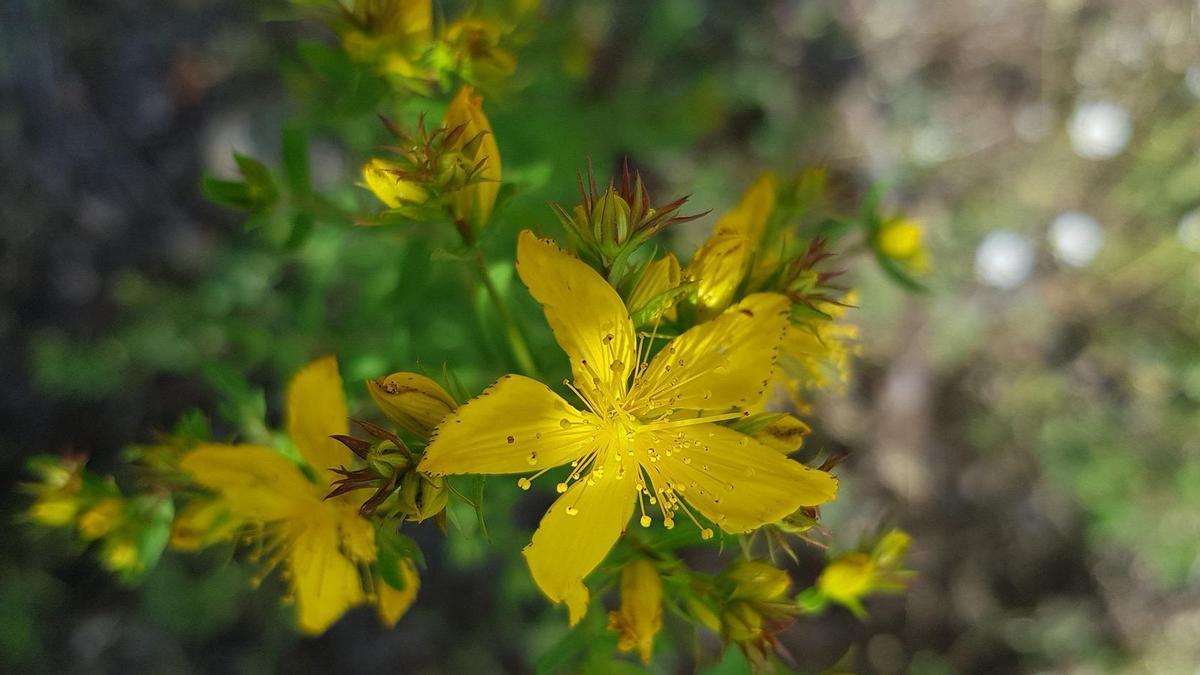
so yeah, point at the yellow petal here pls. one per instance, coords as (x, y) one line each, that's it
(749, 218)
(411, 400)
(392, 603)
(731, 479)
(357, 533)
(201, 523)
(515, 426)
(785, 434)
(718, 268)
(387, 187)
(256, 482)
(324, 582)
(576, 534)
(640, 617)
(660, 276)
(720, 364)
(587, 316)
(316, 409)
(475, 203)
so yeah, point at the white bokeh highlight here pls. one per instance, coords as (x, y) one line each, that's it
(1076, 238)
(1004, 259)
(1100, 129)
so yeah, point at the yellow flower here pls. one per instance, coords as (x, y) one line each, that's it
(380, 177)
(653, 439)
(392, 34)
(57, 498)
(900, 240)
(322, 543)
(849, 578)
(640, 616)
(473, 204)
(722, 262)
(472, 48)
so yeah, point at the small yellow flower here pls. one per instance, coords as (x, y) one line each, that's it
(901, 240)
(649, 431)
(472, 47)
(849, 578)
(323, 543)
(54, 511)
(474, 203)
(120, 555)
(640, 616)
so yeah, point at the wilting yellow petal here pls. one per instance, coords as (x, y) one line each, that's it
(411, 400)
(719, 364)
(576, 534)
(640, 617)
(325, 583)
(718, 268)
(392, 603)
(587, 316)
(387, 187)
(255, 481)
(785, 434)
(475, 203)
(515, 426)
(749, 218)
(660, 276)
(316, 409)
(731, 479)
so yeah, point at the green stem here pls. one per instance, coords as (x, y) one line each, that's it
(516, 339)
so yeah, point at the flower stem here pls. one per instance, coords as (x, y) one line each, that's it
(516, 339)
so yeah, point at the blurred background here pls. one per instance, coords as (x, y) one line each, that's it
(1033, 420)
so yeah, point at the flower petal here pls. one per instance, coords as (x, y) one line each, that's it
(720, 364)
(749, 218)
(731, 479)
(718, 268)
(659, 277)
(576, 534)
(587, 316)
(256, 482)
(392, 603)
(325, 583)
(516, 425)
(316, 409)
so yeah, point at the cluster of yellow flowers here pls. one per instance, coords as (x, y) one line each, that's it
(675, 428)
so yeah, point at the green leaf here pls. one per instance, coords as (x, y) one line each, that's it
(296, 169)
(392, 549)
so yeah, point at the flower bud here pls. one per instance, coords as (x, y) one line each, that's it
(422, 496)
(381, 177)
(101, 518)
(640, 616)
(411, 400)
(758, 581)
